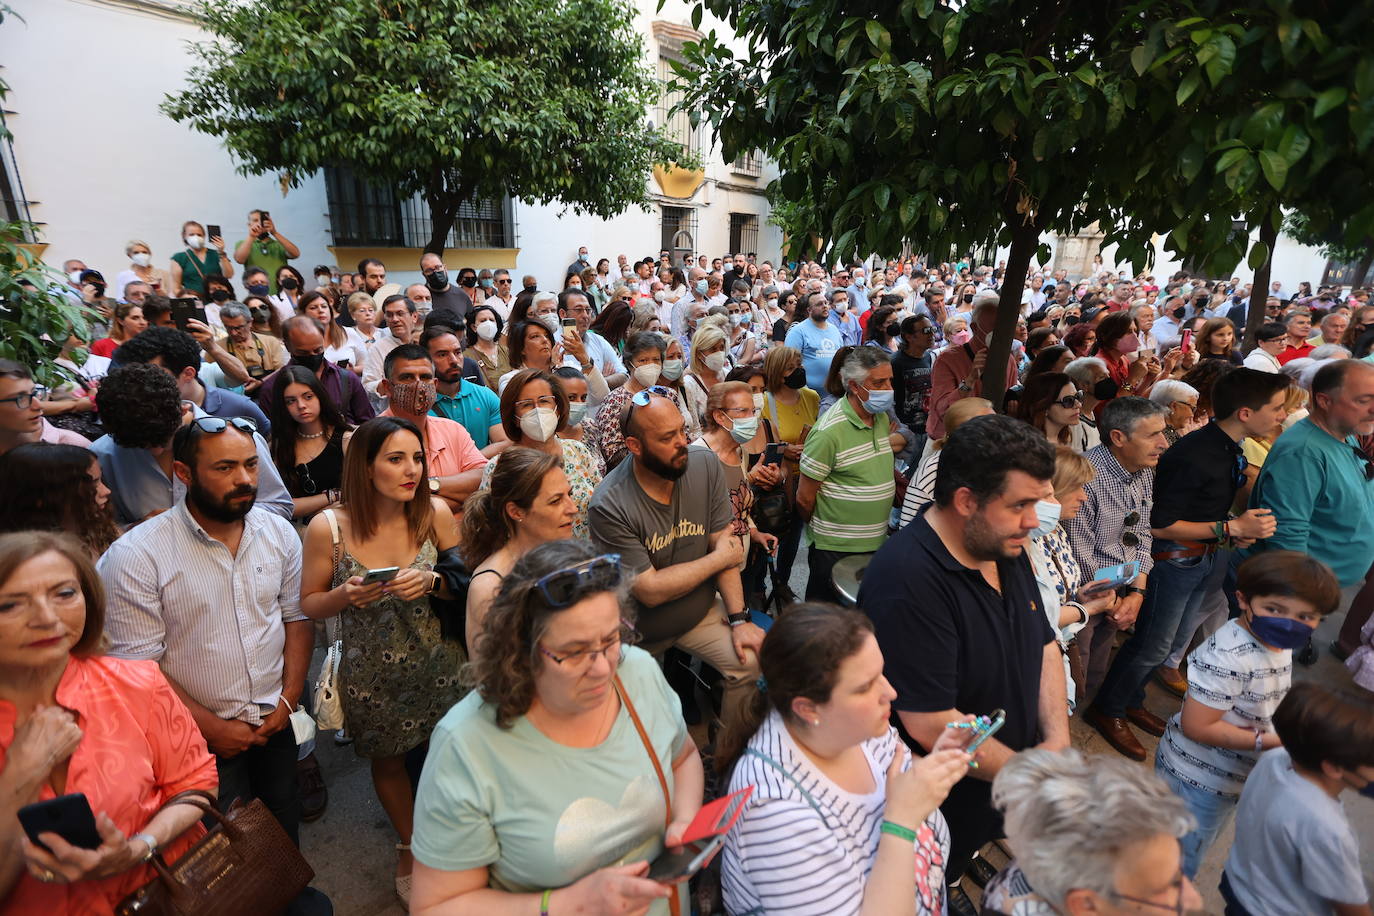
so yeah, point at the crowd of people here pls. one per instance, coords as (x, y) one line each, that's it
(533, 536)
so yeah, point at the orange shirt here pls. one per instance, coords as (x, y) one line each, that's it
(140, 747)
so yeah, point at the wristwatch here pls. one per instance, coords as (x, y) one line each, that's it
(739, 619)
(434, 485)
(151, 842)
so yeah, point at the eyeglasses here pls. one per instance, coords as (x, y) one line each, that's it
(564, 587)
(220, 424)
(24, 399)
(1070, 401)
(1368, 462)
(547, 401)
(614, 650)
(742, 411)
(1177, 907)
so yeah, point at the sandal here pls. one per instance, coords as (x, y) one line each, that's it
(403, 882)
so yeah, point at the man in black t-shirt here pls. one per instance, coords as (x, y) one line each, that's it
(911, 376)
(959, 618)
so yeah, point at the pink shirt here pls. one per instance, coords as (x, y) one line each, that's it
(449, 448)
(139, 747)
(59, 436)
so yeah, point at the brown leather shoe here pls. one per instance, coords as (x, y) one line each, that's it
(1146, 721)
(1117, 733)
(1172, 680)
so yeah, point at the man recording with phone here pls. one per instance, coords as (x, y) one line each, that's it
(265, 247)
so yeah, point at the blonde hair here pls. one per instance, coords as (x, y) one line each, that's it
(952, 324)
(959, 413)
(706, 337)
(715, 400)
(358, 298)
(133, 243)
(1071, 471)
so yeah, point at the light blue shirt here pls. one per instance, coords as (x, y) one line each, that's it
(858, 298)
(817, 344)
(138, 487)
(851, 332)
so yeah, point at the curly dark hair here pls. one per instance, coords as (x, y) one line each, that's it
(47, 487)
(179, 350)
(140, 406)
(503, 671)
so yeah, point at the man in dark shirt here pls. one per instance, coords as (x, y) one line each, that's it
(958, 615)
(1195, 487)
(911, 376)
(304, 339)
(445, 296)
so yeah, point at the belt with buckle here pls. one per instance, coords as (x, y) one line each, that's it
(1188, 549)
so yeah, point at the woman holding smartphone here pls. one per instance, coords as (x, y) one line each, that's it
(398, 674)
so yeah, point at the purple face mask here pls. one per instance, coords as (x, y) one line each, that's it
(1128, 344)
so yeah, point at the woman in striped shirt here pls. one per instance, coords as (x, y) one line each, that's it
(839, 814)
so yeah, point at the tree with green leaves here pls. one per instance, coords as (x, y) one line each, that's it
(1331, 243)
(956, 126)
(450, 99)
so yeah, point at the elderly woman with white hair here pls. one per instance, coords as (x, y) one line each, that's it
(141, 270)
(1095, 383)
(1180, 400)
(1093, 835)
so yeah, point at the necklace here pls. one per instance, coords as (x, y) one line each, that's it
(310, 435)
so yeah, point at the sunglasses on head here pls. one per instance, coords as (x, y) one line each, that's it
(220, 424)
(642, 399)
(565, 587)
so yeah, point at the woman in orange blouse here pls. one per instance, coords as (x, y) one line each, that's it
(72, 720)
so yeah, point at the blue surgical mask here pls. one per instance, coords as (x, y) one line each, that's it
(1047, 513)
(673, 368)
(1280, 632)
(878, 402)
(701, 287)
(743, 429)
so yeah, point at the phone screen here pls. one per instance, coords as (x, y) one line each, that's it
(214, 232)
(674, 866)
(385, 574)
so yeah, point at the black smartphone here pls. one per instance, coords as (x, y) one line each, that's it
(772, 452)
(385, 574)
(343, 363)
(68, 816)
(263, 219)
(184, 309)
(671, 866)
(213, 232)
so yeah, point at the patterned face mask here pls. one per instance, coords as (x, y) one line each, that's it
(414, 398)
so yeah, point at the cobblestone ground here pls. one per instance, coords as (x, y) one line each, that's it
(351, 847)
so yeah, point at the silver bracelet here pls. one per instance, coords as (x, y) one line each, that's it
(151, 842)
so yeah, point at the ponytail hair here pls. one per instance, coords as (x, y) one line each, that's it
(800, 657)
(516, 477)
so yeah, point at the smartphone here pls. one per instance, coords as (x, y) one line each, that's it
(263, 219)
(1186, 341)
(1116, 576)
(68, 816)
(386, 574)
(772, 452)
(343, 363)
(671, 867)
(999, 718)
(213, 232)
(183, 309)
(569, 324)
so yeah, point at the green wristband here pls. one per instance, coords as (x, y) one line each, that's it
(898, 830)
(544, 902)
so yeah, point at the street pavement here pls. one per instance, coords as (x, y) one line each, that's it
(352, 846)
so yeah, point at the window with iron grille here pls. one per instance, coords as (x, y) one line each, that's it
(678, 124)
(744, 233)
(13, 206)
(679, 234)
(363, 215)
(750, 163)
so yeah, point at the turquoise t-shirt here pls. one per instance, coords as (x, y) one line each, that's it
(817, 345)
(539, 814)
(475, 407)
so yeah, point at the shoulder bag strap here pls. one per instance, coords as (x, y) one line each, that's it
(674, 903)
(810, 799)
(331, 624)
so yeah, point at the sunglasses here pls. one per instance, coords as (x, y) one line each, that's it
(1070, 401)
(1130, 538)
(642, 399)
(564, 587)
(220, 424)
(1368, 462)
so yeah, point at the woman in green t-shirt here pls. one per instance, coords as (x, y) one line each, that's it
(195, 262)
(539, 784)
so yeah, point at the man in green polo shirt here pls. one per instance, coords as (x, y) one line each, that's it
(847, 487)
(474, 407)
(265, 247)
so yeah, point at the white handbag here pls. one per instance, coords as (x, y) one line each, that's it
(328, 699)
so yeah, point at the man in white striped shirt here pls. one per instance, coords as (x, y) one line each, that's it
(211, 590)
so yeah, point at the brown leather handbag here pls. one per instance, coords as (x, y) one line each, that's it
(245, 864)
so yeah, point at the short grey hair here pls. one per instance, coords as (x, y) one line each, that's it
(1125, 413)
(860, 362)
(1329, 351)
(985, 299)
(539, 299)
(235, 310)
(1169, 390)
(1080, 370)
(1071, 817)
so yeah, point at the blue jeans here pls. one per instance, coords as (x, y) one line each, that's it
(1176, 588)
(1211, 811)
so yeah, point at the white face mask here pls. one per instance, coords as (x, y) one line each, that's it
(539, 424)
(487, 330)
(714, 361)
(550, 321)
(142, 259)
(74, 276)
(195, 241)
(648, 374)
(840, 307)
(758, 400)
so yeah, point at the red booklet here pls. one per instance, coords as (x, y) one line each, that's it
(718, 817)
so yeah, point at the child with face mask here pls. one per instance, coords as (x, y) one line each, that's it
(1236, 680)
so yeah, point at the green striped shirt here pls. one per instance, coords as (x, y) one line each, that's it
(853, 463)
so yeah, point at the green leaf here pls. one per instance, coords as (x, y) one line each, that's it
(1222, 60)
(1329, 100)
(950, 38)
(909, 211)
(1294, 144)
(1230, 158)
(696, 17)
(1004, 122)
(1275, 168)
(882, 194)
(1190, 161)
(878, 36)
(1141, 58)
(1086, 75)
(1188, 86)
(1259, 254)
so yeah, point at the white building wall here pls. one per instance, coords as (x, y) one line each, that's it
(103, 166)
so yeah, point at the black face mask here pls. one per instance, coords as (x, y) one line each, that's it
(437, 281)
(1105, 389)
(968, 297)
(530, 289)
(220, 295)
(1179, 312)
(1071, 319)
(469, 282)
(288, 283)
(311, 361)
(796, 379)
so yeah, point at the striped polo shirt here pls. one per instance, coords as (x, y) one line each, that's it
(853, 463)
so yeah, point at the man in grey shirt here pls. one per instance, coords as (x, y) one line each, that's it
(667, 513)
